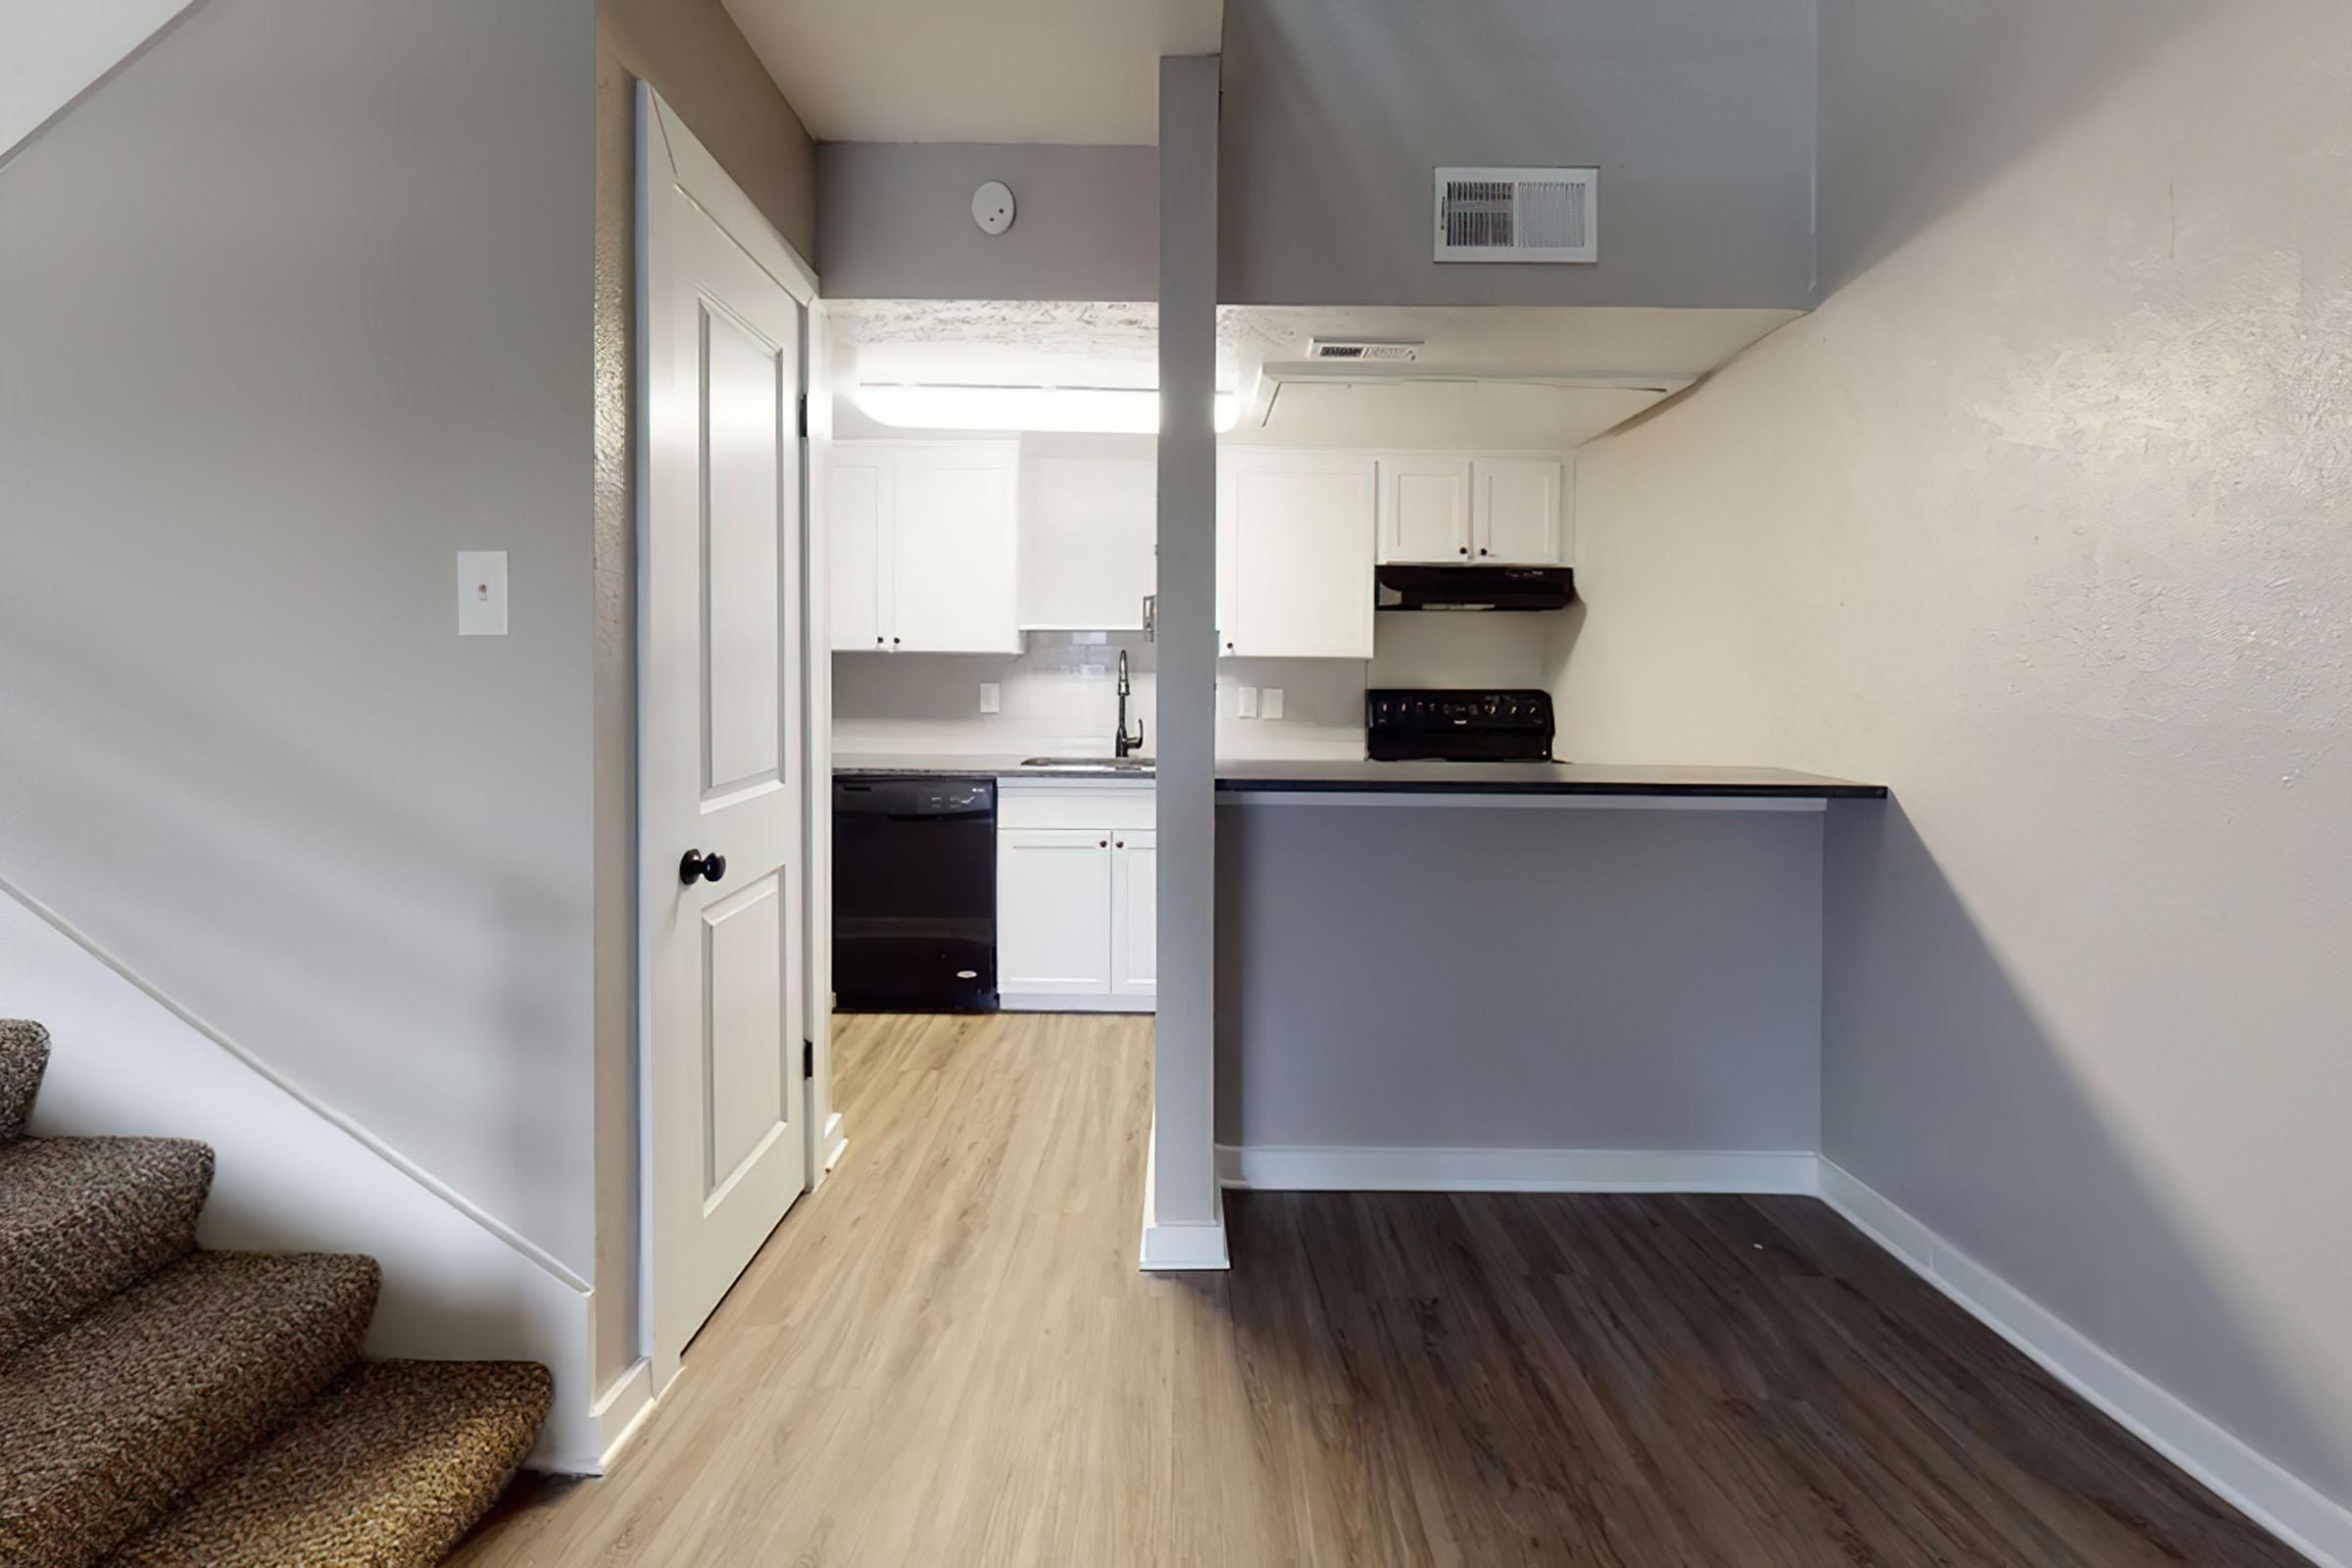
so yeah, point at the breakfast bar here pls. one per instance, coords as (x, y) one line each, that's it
(1521, 975)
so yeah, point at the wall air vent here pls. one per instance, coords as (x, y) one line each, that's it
(1364, 350)
(1518, 214)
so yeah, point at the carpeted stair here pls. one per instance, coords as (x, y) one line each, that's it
(159, 1405)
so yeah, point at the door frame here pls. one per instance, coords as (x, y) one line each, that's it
(669, 152)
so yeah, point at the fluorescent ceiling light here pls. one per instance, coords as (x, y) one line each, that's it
(1098, 409)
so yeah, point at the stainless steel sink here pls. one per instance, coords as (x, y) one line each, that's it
(1089, 765)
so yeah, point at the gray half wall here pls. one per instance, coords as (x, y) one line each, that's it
(1459, 977)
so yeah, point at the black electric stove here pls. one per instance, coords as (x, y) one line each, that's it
(1409, 725)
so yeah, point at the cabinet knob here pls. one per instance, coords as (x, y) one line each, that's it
(1122, 843)
(1465, 550)
(1481, 550)
(1104, 845)
(894, 641)
(877, 637)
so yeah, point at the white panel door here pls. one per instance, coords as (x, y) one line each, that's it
(1425, 510)
(1518, 510)
(1090, 530)
(954, 561)
(857, 519)
(1134, 914)
(1301, 525)
(721, 760)
(1053, 911)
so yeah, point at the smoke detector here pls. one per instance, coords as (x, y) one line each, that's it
(1365, 350)
(992, 207)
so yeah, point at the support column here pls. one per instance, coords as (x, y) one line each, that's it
(1183, 1216)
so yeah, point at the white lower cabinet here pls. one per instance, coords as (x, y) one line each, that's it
(1134, 913)
(1076, 880)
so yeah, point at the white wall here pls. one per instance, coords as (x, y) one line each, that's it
(56, 52)
(2042, 521)
(299, 306)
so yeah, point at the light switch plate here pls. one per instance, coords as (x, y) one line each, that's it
(1244, 702)
(992, 697)
(481, 593)
(1270, 704)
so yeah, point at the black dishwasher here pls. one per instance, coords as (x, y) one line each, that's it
(914, 894)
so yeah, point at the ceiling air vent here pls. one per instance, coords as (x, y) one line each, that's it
(1518, 214)
(1364, 350)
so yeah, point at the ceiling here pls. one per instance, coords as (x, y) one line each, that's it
(1496, 377)
(991, 70)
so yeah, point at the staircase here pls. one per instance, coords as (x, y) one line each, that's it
(164, 1405)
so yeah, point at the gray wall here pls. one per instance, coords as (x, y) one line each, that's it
(1457, 977)
(2042, 521)
(1697, 112)
(291, 311)
(895, 222)
(698, 61)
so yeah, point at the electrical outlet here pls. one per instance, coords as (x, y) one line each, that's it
(1244, 702)
(1270, 703)
(992, 697)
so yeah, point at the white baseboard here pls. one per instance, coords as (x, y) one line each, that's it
(2281, 1504)
(834, 1144)
(1274, 1168)
(1024, 1002)
(619, 1413)
(1178, 1246)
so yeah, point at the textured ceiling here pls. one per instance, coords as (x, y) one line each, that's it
(1002, 71)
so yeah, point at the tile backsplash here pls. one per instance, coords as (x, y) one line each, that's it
(1059, 698)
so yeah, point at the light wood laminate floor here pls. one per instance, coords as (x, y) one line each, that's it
(945, 1356)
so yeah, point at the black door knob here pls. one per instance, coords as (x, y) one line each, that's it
(696, 866)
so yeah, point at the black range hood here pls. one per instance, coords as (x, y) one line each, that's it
(1403, 587)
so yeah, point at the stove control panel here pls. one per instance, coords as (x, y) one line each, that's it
(1406, 724)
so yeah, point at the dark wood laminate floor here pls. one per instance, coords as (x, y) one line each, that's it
(945, 1356)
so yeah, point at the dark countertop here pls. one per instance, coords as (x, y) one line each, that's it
(1535, 778)
(1433, 778)
(1002, 765)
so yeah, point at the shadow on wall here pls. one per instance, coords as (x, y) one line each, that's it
(1944, 1090)
(446, 934)
(1903, 137)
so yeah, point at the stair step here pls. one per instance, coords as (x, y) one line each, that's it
(83, 1217)
(24, 1055)
(389, 1469)
(141, 1398)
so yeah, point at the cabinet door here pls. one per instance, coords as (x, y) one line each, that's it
(1518, 508)
(1301, 526)
(953, 560)
(1054, 909)
(1090, 531)
(1134, 913)
(858, 515)
(1425, 510)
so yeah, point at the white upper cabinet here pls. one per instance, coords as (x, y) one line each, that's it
(1090, 532)
(1519, 513)
(1295, 556)
(1443, 509)
(1425, 509)
(857, 501)
(924, 556)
